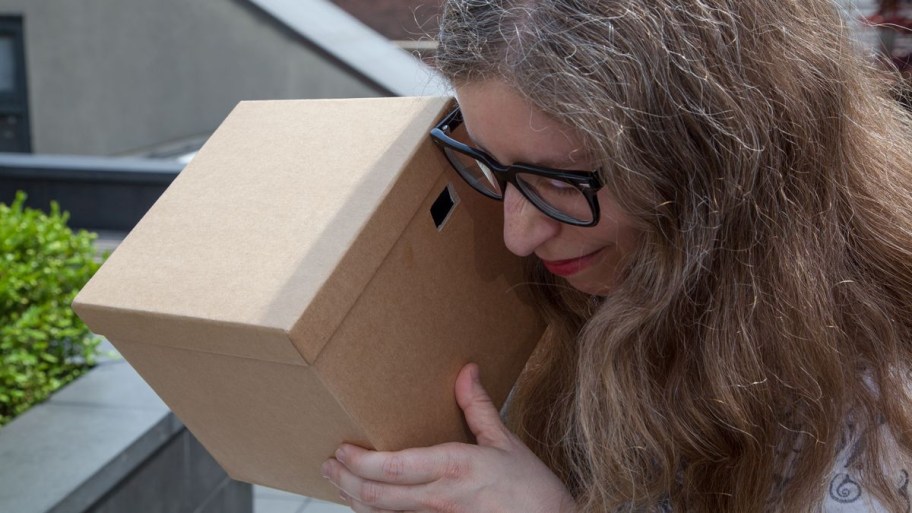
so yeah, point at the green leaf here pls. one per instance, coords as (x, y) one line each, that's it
(43, 264)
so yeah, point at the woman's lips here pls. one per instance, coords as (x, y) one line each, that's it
(571, 266)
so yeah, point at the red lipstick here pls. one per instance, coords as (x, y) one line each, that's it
(569, 267)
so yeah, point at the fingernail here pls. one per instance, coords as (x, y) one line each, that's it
(340, 455)
(473, 372)
(324, 470)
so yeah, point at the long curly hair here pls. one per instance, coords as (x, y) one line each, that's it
(761, 333)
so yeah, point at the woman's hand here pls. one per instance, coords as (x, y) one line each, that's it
(500, 474)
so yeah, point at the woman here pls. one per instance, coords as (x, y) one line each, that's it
(734, 332)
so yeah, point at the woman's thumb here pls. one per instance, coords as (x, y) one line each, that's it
(480, 413)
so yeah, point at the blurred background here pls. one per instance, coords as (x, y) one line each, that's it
(151, 80)
(102, 103)
(147, 82)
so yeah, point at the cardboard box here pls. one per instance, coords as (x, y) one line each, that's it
(293, 290)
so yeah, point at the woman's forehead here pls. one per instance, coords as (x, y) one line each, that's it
(498, 119)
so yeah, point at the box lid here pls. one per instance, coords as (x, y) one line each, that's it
(297, 182)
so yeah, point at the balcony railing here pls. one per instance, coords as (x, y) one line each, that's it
(100, 193)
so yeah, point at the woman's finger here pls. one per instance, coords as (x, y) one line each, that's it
(407, 467)
(383, 496)
(360, 507)
(480, 413)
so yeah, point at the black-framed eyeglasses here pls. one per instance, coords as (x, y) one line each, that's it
(565, 195)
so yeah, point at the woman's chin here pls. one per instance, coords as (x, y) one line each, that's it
(595, 288)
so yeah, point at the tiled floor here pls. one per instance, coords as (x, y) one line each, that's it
(268, 500)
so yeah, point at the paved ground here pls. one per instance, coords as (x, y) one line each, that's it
(268, 500)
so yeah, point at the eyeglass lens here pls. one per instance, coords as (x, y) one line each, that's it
(554, 197)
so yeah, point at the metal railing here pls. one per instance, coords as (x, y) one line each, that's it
(100, 193)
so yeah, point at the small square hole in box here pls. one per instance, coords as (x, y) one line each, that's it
(443, 206)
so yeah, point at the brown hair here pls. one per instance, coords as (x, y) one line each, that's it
(763, 327)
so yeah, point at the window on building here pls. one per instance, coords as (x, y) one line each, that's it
(14, 114)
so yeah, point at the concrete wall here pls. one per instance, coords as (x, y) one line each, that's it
(181, 477)
(106, 443)
(109, 77)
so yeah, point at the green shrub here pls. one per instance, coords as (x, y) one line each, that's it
(43, 344)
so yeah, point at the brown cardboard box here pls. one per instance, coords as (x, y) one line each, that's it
(291, 290)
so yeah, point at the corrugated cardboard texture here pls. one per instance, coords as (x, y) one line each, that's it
(419, 165)
(453, 295)
(246, 341)
(263, 422)
(290, 291)
(250, 231)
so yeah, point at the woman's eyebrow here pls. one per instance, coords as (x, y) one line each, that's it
(567, 162)
(560, 163)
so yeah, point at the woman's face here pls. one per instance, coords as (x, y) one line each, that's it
(512, 130)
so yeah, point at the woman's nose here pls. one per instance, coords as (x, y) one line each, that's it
(525, 226)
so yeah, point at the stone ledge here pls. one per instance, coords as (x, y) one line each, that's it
(64, 454)
(71, 453)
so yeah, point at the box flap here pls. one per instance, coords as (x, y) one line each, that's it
(251, 230)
